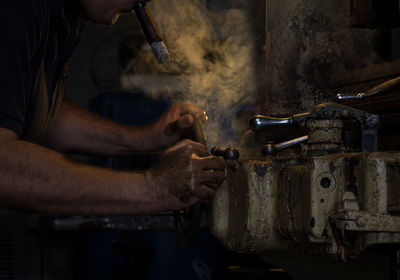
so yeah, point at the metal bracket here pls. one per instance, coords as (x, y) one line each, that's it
(350, 218)
(362, 221)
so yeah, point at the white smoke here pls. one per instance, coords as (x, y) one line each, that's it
(213, 63)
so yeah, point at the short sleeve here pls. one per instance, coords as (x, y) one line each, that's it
(20, 34)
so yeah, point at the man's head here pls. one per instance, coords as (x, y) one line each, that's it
(106, 11)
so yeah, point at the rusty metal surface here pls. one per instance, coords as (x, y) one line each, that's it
(393, 170)
(324, 136)
(292, 218)
(244, 208)
(308, 42)
(330, 205)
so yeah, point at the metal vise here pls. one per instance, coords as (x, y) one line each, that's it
(327, 202)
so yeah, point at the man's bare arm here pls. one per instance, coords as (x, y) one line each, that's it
(34, 178)
(79, 131)
(37, 179)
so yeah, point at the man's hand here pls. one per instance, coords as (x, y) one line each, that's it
(175, 124)
(78, 131)
(185, 174)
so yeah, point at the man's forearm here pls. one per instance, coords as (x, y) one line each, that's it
(79, 131)
(37, 179)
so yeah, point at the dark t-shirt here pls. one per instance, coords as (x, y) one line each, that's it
(37, 38)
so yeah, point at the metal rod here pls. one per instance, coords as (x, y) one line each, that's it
(379, 89)
(290, 143)
(271, 148)
(259, 122)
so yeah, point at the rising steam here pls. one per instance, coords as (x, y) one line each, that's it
(213, 63)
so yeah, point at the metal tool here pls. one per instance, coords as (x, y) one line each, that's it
(151, 32)
(379, 89)
(198, 131)
(331, 115)
(229, 153)
(272, 149)
(259, 122)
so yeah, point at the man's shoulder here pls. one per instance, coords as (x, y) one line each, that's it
(24, 10)
(32, 8)
(20, 6)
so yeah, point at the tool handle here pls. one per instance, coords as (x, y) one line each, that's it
(259, 122)
(349, 96)
(271, 149)
(229, 153)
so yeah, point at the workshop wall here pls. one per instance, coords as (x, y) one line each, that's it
(307, 42)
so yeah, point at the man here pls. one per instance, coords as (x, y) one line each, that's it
(36, 124)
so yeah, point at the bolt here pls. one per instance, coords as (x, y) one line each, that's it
(361, 221)
(269, 149)
(325, 182)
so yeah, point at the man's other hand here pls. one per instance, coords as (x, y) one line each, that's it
(175, 124)
(185, 174)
